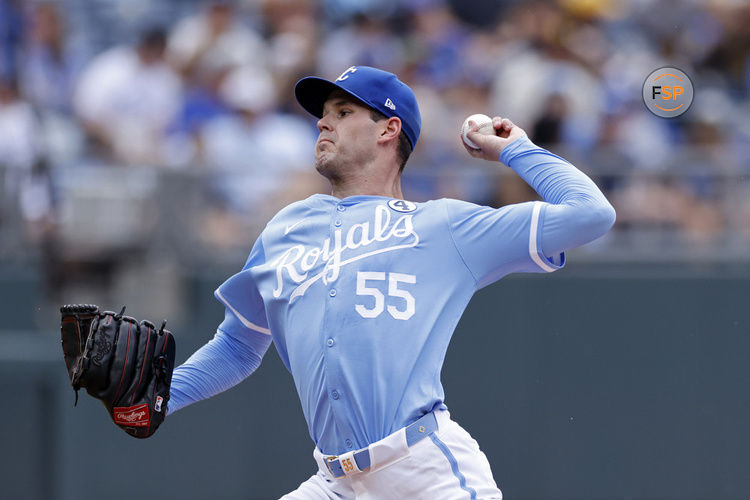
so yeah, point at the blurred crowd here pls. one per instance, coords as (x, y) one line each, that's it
(112, 106)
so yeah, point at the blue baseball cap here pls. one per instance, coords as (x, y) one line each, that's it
(376, 88)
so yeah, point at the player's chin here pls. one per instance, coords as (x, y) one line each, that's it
(323, 162)
(322, 146)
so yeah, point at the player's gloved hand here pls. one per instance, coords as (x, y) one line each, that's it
(125, 364)
(490, 146)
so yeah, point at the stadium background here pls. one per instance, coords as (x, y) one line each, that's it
(143, 145)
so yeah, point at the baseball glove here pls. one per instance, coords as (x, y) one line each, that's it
(125, 364)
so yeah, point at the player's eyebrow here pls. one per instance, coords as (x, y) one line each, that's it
(338, 102)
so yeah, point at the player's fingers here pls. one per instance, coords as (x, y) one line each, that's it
(506, 124)
(473, 152)
(477, 138)
(474, 134)
(505, 128)
(497, 122)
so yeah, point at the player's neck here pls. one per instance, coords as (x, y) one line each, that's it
(342, 189)
(367, 181)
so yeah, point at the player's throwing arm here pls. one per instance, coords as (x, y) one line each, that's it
(575, 213)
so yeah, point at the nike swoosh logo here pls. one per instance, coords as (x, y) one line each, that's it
(289, 228)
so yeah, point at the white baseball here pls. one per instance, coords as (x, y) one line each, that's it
(485, 127)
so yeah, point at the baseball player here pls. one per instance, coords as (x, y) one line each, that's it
(360, 291)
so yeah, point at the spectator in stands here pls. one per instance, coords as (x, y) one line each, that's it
(214, 38)
(547, 130)
(19, 148)
(26, 181)
(51, 61)
(438, 44)
(293, 30)
(573, 70)
(11, 30)
(127, 97)
(256, 153)
(537, 67)
(364, 41)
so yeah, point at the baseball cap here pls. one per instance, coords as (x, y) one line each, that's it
(376, 88)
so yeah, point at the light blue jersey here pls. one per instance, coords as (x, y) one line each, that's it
(361, 295)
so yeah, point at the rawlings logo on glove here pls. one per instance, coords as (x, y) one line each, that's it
(136, 416)
(125, 364)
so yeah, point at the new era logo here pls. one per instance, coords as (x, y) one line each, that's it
(389, 104)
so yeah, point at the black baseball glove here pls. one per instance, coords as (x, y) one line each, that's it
(125, 364)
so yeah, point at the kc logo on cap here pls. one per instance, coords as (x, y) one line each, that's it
(346, 74)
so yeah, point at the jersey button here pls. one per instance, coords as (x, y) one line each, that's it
(330, 342)
(332, 293)
(337, 223)
(349, 443)
(340, 208)
(335, 394)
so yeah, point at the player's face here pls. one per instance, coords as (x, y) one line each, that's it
(348, 136)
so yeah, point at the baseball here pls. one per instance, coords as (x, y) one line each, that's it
(485, 127)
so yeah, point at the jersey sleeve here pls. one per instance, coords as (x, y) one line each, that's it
(237, 348)
(532, 236)
(242, 299)
(496, 242)
(225, 361)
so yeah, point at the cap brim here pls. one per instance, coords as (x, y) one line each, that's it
(312, 92)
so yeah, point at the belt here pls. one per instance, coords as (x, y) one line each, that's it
(415, 432)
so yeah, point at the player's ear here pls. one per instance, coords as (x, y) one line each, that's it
(391, 129)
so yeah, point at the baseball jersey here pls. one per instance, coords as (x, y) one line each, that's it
(361, 295)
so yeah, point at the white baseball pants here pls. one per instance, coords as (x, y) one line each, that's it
(447, 464)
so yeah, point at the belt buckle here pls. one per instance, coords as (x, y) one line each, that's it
(328, 462)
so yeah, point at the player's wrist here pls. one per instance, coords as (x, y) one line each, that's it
(518, 146)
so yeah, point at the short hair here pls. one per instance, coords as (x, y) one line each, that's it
(404, 146)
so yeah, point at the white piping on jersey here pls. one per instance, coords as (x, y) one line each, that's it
(249, 324)
(533, 237)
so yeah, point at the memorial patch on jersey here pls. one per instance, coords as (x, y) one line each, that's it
(402, 206)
